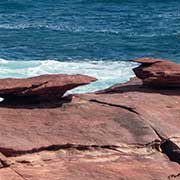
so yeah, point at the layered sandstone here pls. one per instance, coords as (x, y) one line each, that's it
(158, 73)
(128, 131)
(41, 88)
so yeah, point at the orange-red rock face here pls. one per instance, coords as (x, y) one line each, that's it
(158, 73)
(41, 88)
(128, 132)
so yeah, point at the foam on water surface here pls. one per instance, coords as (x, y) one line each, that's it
(107, 72)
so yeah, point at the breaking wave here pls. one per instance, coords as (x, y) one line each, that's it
(107, 72)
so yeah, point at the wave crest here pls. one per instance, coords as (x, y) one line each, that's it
(107, 72)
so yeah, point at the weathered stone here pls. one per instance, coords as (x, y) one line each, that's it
(92, 165)
(127, 132)
(158, 73)
(40, 88)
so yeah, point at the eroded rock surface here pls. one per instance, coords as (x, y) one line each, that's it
(158, 73)
(125, 132)
(40, 88)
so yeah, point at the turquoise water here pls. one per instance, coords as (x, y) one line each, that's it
(94, 37)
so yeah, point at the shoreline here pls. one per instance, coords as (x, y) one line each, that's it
(129, 130)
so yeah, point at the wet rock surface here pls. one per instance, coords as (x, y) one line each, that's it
(128, 131)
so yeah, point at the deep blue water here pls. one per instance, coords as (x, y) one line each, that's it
(105, 31)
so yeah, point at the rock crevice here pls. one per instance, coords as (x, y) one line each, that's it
(116, 105)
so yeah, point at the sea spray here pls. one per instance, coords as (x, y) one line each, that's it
(107, 72)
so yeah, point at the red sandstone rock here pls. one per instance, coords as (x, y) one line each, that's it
(44, 87)
(148, 60)
(158, 73)
(92, 165)
(127, 131)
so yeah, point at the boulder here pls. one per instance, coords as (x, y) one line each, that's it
(158, 73)
(40, 88)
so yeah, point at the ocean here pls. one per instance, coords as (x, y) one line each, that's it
(92, 37)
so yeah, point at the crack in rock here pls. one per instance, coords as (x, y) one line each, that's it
(171, 149)
(116, 105)
(19, 174)
(11, 152)
(4, 161)
(34, 86)
(164, 145)
(174, 176)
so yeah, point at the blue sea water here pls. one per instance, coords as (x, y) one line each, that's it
(93, 37)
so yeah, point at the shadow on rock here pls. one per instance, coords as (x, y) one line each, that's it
(31, 103)
(135, 85)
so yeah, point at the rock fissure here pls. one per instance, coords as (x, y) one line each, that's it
(171, 150)
(172, 176)
(161, 136)
(16, 172)
(11, 152)
(34, 86)
(164, 145)
(116, 105)
(167, 146)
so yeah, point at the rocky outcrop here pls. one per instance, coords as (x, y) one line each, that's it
(158, 73)
(40, 88)
(128, 131)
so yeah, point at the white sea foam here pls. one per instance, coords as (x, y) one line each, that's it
(66, 27)
(107, 72)
(60, 27)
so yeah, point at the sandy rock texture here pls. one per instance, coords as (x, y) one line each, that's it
(41, 88)
(126, 132)
(158, 73)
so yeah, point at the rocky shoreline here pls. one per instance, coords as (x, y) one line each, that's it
(129, 131)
